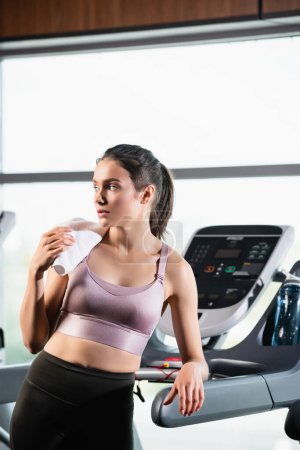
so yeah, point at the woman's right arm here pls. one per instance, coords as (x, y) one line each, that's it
(40, 305)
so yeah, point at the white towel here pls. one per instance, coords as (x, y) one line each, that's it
(67, 260)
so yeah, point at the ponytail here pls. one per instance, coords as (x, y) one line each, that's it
(162, 212)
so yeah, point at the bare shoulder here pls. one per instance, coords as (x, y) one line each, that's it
(176, 264)
(179, 273)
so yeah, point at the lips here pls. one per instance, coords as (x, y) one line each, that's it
(99, 211)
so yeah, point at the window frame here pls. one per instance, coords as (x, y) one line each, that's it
(181, 34)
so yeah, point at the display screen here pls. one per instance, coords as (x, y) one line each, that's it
(228, 253)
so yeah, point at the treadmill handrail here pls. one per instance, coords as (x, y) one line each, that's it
(224, 398)
(11, 378)
(4, 437)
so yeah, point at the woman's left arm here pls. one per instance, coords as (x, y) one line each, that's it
(184, 304)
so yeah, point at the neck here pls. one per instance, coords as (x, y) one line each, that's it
(137, 239)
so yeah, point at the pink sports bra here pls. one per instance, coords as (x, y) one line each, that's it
(119, 316)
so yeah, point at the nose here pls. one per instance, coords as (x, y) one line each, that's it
(99, 198)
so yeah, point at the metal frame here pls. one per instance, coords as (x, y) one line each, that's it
(156, 36)
(280, 170)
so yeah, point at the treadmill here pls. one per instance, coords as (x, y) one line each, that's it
(233, 266)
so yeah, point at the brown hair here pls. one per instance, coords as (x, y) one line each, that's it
(144, 169)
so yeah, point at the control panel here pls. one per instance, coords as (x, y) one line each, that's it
(226, 267)
(232, 264)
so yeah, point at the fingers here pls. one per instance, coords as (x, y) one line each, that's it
(170, 395)
(182, 399)
(191, 397)
(201, 397)
(57, 238)
(51, 244)
(55, 241)
(58, 241)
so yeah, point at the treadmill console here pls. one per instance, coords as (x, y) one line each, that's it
(226, 267)
(232, 264)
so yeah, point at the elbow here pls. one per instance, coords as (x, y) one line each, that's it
(34, 339)
(34, 347)
(34, 350)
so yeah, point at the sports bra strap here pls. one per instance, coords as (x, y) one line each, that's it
(162, 261)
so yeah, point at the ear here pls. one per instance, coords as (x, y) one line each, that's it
(147, 193)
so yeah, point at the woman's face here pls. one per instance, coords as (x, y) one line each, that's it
(115, 193)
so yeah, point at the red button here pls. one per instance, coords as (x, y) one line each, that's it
(209, 269)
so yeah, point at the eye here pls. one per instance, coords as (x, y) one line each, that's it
(108, 185)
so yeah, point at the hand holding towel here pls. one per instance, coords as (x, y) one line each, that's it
(70, 258)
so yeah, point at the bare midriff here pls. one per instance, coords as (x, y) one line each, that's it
(91, 354)
(95, 354)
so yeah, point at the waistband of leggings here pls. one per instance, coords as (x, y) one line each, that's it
(86, 370)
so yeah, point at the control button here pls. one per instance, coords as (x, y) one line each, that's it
(210, 304)
(241, 274)
(261, 257)
(219, 268)
(209, 269)
(230, 269)
(255, 247)
(251, 257)
(218, 274)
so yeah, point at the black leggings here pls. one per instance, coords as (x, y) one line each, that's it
(64, 406)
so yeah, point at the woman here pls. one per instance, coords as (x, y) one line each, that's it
(90, 327)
